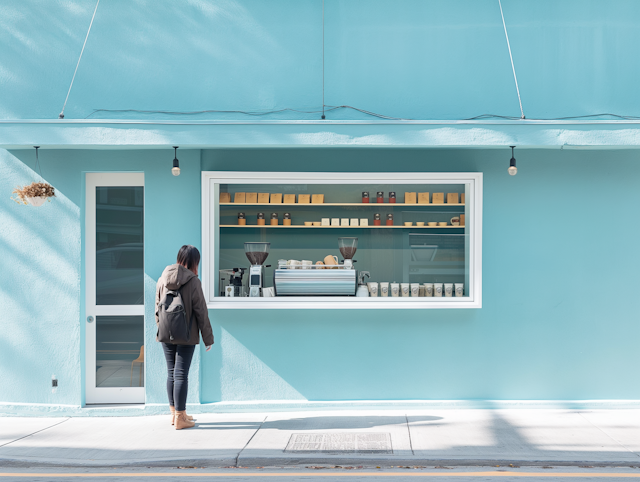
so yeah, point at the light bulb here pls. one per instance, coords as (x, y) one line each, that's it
(175, 171)
(513, 170)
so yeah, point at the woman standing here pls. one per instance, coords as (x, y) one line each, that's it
(182, 277)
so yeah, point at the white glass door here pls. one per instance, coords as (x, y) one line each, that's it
(114, 258)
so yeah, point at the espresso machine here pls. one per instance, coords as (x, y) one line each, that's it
(320, 280)
(257, 254)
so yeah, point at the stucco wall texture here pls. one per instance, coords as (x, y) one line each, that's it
(420, 59)
(560, 262)
(558, 320)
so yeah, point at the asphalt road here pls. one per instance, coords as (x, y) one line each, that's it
(318, 473)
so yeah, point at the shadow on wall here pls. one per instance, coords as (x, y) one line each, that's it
(40, 288)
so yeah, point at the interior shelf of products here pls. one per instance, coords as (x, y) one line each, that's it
(346, 204)
(337, 227)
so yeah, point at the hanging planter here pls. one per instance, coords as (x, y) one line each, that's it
(35, 193)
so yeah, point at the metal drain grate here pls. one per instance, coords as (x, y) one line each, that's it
(340, 443)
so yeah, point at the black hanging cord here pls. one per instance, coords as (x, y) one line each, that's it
(323, 116)
(38, 161)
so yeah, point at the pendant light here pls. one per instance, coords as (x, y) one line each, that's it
(513, 170)
(175, 170)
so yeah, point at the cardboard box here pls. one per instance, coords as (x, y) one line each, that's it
(354, 222)
(364, 222)
(344, 222)
(304, 198)
(276, 198)
(410, 198)
(437, 198)
(325, 222)
(462, 198)
(240, 197)
(423, 198)
(462, 219)
(317, 199)
(289, 198)
(452, 198)
(252, 197)
(335, 221)
(225, 197)
(263, 198)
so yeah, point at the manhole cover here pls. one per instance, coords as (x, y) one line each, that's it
(354, 443)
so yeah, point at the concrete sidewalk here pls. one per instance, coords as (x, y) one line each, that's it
(369, 438)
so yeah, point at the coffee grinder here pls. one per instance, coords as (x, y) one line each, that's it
(348, 247)
(257, 254)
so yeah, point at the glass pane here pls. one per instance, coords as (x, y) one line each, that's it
(424, 241)
(119, 246)
(119, 351)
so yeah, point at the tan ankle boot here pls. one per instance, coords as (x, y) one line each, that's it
(173, 415)
(181, 421)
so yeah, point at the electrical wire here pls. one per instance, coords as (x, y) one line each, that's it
(495, 116)
(511, 57)
(61, 115)
(363, 111)
(327, 108)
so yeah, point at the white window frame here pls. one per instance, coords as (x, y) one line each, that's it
(210, 228)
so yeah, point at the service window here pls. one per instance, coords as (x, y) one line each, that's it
(342, 240)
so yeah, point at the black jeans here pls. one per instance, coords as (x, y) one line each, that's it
(178, 364)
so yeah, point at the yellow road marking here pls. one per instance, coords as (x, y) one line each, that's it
(328, 474)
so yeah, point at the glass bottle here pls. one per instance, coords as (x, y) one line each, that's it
(392, 197)
(380, 197)
(365, 197)
(242, 219)
(376, 220)
(286, 219)
(261, 221)
(274, 219)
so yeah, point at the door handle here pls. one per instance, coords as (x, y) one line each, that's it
(89, 319)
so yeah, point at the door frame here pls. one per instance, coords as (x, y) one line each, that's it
(93, 394)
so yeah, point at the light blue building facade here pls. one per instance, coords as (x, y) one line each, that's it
(240, 86)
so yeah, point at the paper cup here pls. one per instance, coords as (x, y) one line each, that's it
(459, 289)
(372, 286)
(415, 289)
(437, 290)
(448, 290)
(384, 289)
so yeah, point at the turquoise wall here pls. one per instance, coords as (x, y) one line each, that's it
(423, 59)
(43, 271)
(558, 321)
(559, 318)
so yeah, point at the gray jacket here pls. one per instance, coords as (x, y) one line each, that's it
(177, 277)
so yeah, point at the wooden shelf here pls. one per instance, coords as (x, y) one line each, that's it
(334, 227)
(337, 204)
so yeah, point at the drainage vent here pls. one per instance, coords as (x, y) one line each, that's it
(340, 443)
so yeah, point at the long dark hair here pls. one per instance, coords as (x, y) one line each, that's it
(189, 257)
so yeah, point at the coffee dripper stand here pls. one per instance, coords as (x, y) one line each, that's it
(236, 285)
(257, 254)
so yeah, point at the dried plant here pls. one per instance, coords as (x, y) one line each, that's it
(35, 189)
